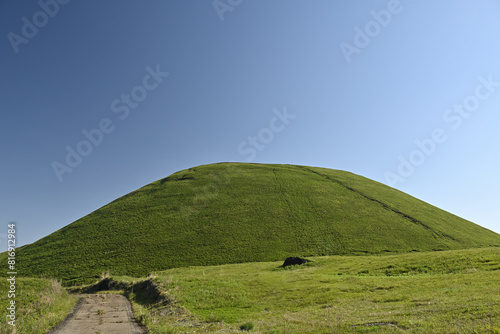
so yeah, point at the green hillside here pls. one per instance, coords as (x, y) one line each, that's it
(239, 212)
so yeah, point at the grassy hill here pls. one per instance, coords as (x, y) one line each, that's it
(238, 212)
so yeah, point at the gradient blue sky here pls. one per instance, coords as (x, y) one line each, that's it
(225, 79)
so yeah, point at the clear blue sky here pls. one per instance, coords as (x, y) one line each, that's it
(357, 83)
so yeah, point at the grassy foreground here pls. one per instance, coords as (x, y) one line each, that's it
(435, 292)
(239, 212)
(40, 305)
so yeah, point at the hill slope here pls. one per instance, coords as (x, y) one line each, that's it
(238, 212)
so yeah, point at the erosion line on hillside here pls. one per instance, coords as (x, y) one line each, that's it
(385, 206)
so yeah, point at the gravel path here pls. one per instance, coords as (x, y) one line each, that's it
(100, 314)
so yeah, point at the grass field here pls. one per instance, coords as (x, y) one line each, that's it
(40, 305)
(431, 292)
(237, 212)
(435, 292)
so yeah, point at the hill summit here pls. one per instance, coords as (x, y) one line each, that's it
(240, 212)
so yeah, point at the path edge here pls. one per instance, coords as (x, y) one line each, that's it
(78, 305)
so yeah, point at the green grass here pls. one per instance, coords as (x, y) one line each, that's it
(40, 305)
(236, 212)
(436, 292)
(429, 292)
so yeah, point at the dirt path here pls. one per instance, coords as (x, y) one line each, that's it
(100, 314)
